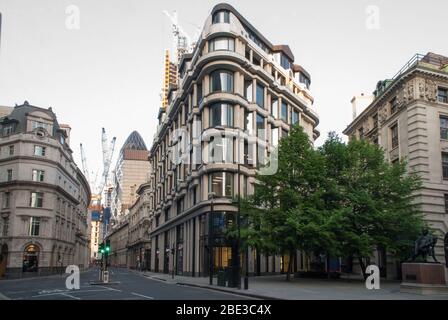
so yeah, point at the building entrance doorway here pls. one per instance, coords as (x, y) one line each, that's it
(31, 259)
(222, 257)
(3, 259)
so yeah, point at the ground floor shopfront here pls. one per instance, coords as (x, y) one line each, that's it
(182, 248)
(139, 255)
(25, 257)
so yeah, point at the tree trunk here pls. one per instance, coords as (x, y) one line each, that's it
(363, 267)
(288, 274)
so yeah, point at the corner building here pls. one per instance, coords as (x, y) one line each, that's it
(44, 196)
(237, 95)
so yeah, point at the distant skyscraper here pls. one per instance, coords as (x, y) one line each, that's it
(131, 171)
(170, 78)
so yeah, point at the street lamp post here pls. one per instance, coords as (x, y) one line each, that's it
(210, 239)
(238, 246)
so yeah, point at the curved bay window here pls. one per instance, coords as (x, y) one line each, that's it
(221, 149)
(222, 44)
(221, 183)
(221, 17)
(221, 114)
(31, 258)
(221, 81)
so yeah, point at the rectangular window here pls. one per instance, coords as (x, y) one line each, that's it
(194, 196)
(221, 149)
(285, 63)
(248, 93)
(38, 124)
(34, 226)
(180, 206)
(442, 95)
(249, 123)
(393, 105)
(394, 136)
(274, 137)
(444, 128)
(5, 226)
(9, 175)
(11, 150)
(8, 129)
(295, 117)
(221, 183)
(375, 120)
(199, 93)
(261, 127)
(260, 95)
(39, 151)
(274, 108)
(446, 202)
(445, 165)
(284, 112)
(38, 175)
(6, 200)
(37, 199)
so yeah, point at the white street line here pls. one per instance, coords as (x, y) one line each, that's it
(70, 296)
(110, 289)
(77, 291)
(140, 295)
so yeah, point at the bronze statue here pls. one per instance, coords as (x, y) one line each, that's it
(424, 246)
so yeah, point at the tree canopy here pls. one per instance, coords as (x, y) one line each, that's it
(341, 200)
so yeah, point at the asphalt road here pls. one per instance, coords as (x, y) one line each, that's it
(130, 286)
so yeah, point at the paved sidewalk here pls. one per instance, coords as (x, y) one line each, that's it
(275, 287)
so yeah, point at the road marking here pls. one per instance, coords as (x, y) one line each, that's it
(110, 289)
(64, 292)
(70, 296)
(140, 295)
(3, 297)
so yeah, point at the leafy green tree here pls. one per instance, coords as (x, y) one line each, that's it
(371, 200)
(280, 217)
(341, 200)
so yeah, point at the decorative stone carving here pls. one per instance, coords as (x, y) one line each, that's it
(421, 88)
(408, 92)
(382, 114)
(400, 96)
(431, 90)
(427, 89)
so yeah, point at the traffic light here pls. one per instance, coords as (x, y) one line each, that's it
(101, 248)
(107, 247)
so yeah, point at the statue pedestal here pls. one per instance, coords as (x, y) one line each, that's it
(423, 278)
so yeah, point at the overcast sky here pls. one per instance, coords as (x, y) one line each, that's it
(108, 73)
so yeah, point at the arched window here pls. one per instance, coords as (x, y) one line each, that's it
(221, 81)
(222, 44)
(31, 258)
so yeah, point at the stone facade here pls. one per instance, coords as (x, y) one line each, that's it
(407, 119)
(118, 256)
(44, 196)
(140, 225)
